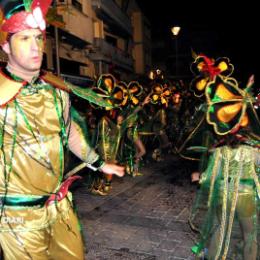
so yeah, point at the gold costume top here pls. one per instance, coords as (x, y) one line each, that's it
(35, 125)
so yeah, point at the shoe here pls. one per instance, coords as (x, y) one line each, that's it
(137, 174)
(98, 192)
(128, 170)
(107, 188)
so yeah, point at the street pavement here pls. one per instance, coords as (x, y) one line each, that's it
(143, 217)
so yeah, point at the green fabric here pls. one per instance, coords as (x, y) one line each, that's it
(27, 5)
(80, 120)
(23, 201)
(230, 175)
(196, 249)
(89, 95)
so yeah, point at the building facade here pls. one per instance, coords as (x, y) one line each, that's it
(98, 36)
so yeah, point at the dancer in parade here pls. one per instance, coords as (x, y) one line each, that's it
(37, 218)
(229, 184)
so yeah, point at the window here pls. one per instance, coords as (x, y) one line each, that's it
(77, 5)
(111, 40)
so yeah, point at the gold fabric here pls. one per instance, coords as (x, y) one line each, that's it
(109, 139)
(31, 166)
(8, 89)
(36, 162)
(51, 242)
(55, 81)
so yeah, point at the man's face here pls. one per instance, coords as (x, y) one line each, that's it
(25, 50)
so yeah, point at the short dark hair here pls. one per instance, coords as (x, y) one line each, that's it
(9, 36)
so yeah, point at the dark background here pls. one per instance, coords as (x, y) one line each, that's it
(215, 28)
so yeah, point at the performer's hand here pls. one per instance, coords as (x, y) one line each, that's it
(195, 177)
(111, 168)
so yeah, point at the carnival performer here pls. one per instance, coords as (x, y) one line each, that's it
(230, 182)
(133, 148)
(139, 151)
(37, 219)
(112, 127)
(160, 96)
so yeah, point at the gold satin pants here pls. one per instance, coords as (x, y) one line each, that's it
(60, 240)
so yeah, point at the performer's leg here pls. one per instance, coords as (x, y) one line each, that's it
(140, 148)
(108, 182)
(139, 153)
(214, 244)
(247, 214)
(214, 241)
(249, 237)
(65, 238)
(60, 239)
(24, 245)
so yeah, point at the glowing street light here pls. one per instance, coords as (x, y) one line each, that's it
(175, 31)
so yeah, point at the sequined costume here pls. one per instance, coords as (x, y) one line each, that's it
(111, 142)
(226, 207)
(230, 191)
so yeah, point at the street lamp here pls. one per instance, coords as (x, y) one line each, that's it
(175, 31)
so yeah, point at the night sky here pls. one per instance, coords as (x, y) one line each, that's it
(216, 31)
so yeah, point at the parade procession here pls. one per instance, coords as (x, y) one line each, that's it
(96, 144)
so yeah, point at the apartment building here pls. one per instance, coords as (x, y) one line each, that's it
(98, 36)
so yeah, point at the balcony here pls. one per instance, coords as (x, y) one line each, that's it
(77, 23)
(104, 51)
(111, 14)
